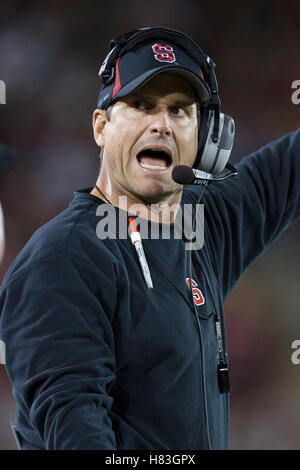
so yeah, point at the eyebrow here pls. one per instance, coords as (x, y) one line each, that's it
(179, 102)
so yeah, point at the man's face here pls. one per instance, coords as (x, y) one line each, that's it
(150, 132)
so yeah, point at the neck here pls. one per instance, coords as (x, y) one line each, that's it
(161, 211)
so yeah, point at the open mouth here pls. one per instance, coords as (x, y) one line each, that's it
(154, 159)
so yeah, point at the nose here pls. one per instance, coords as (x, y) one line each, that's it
(161, 125)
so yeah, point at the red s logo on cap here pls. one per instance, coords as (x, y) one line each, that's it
(163, 53)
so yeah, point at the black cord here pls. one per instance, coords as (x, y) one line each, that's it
(223, 357)
(204, 393)
(101, 194)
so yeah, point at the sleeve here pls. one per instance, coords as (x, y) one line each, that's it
(244, 215)
(56, 324)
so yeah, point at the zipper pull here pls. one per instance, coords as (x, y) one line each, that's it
(137, 242)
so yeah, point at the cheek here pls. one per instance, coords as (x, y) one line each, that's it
(190, 145)
(121, 131)
(118, 142)
(113, 140)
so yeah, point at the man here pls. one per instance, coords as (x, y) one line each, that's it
(101, 352)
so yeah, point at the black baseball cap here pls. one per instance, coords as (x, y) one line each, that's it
(138, 65)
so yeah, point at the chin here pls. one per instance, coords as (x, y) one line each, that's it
(154, 194)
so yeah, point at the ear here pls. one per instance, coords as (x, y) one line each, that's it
(99, 121)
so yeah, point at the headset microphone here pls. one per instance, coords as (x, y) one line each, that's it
(186, 175)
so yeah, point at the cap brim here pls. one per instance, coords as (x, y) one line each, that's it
(199, 85)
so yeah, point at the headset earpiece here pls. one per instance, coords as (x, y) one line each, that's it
(213, 156)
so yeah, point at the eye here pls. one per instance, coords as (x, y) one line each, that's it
(178, 111)
(139, 104)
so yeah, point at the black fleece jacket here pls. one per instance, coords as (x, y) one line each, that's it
(98, 361)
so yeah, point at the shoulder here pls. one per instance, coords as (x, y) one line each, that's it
(71, 234)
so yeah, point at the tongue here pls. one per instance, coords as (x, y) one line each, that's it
(157, 161)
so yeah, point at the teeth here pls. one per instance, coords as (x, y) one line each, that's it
(153, 167)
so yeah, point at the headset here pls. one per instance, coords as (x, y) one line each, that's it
(216, 130)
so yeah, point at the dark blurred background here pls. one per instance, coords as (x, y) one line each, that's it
(50, 55)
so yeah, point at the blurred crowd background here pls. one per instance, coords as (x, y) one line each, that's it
(50, 54)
